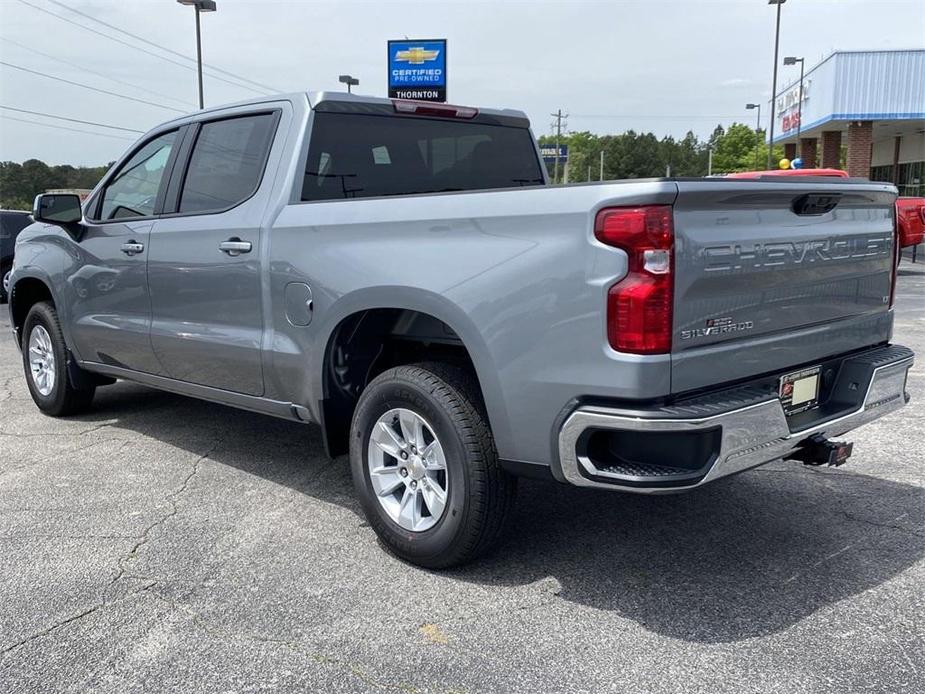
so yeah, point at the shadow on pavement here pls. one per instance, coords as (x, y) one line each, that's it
(741, 558)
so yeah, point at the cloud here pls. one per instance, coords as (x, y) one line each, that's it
(735, 82)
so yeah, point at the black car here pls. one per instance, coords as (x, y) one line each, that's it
(11, 223)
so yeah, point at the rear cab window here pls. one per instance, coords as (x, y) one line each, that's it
(359, 156)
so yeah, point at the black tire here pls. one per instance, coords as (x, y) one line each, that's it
(479, 495)
(63, 399)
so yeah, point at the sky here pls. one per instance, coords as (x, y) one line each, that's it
(665, 66)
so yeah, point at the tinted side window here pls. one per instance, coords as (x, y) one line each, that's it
(227, 162)
(133, 191)
(357, 156)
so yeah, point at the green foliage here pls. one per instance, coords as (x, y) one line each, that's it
(20, 183)
(642, 155)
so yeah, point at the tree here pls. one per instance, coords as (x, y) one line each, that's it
(20, 183)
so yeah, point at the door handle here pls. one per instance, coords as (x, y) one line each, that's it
(132, 248)
(235, 246)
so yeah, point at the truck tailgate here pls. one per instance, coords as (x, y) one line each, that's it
(770, 275)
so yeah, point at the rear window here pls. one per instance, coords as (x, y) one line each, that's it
(361, 156)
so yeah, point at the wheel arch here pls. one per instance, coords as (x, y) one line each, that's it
(25, 292)
(419, 320)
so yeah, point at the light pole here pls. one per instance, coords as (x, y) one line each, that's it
(757, 132)
(774, 80)
(349, 81)
(201, 6)
(792, 60)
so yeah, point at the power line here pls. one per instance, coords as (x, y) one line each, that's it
(94, 72)
(64, 127)
(72, 120)
(133, 46)
(163, 48)
(87, 86)
(677, 116)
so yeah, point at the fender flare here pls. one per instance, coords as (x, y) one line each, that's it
(432, 304)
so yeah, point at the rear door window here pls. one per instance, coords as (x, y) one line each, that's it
(359, 156)
(227, 162)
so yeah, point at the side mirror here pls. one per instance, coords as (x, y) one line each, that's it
(57, 208)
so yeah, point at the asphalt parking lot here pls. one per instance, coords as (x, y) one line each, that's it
(164, 544)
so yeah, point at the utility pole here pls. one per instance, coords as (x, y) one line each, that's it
(558, 125)
(709, 161)
(602, 165)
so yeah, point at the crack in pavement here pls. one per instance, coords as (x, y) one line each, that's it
(171, 498)
(884, 524)
(69, 451)
(71, 619)
(53, 434)
(122, 572)
(294, 646)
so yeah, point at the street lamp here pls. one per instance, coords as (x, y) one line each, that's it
(349, 81)
(751, 107)
(774, 81)
(201, 6)
(791, 60)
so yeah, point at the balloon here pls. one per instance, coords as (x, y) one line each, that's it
(796, 163)
(784, 163)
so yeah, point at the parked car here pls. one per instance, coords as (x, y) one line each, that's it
(910, 211)
(11, 223)
(401, 274)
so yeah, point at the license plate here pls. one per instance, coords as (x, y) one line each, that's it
(799, 391)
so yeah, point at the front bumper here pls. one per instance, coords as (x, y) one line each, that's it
(723, 433)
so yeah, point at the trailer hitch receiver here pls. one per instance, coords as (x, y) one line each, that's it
(818, 450)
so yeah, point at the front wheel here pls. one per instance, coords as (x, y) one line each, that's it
(45, 362)
(425, 467)
(6, 273)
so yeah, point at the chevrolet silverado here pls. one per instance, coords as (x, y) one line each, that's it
(402, 275)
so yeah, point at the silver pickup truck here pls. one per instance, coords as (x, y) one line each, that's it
(402, 275)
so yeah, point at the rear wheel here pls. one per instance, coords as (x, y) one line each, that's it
(425, 467)
(45, 362)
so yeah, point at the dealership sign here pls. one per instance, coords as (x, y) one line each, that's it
(548, 153)
(788, 106)
(417, 70)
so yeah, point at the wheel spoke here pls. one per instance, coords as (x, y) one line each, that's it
(412, 428)
(386, 480)
(435, 498)
(409, 510)
(433, 456)
(388, 440)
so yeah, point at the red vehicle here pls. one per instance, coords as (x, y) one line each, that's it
(910, 211)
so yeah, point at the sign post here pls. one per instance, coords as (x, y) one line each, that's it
(417, 70)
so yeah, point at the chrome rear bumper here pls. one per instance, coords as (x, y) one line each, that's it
(751, 434)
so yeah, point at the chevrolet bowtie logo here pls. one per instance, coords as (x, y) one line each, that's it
(416, 55)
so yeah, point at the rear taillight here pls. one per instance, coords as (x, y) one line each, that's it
(639, 307)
